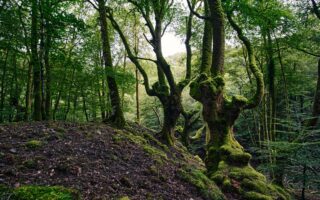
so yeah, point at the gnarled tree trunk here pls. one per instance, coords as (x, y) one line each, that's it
(165, 89)
(226, 161)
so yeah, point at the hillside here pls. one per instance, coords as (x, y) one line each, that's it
(96, 161)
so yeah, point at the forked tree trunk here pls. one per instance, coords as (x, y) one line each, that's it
(226, 161)
(172, 109)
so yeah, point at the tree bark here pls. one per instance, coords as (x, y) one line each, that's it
(172, 109)
(117, 117)
(316, 102)
(47, 65)
(226, 161)
(3, 79)
(137, 97)
(271, 82)
(37, 116)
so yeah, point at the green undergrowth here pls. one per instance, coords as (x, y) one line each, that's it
(38, 193)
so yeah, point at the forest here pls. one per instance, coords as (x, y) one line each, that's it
(159, 99)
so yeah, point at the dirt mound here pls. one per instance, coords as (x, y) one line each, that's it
(100, 162)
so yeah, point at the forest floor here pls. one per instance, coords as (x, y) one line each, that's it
(100, 162)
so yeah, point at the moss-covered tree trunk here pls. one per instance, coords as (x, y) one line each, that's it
(226, 161)
(117, 117)
(172, 109)
(165, 89)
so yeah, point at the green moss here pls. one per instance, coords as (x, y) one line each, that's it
(197, 158)
(153, 170)
(178, 129)
(239, 100)
(155, 153)
(247, 182)
(39, 193)
(34, 144)
(118, 138)
(31, 164)
(256, 196)
(208, 188)
(161, 89)
(5, 192)
(61, 135)
(151, 139)
(60, 129)
(207, 84)
(218, 178)
(240, 173)
(195, 90)
(235, 155)
(133, 138)
(282, 192)
(124, 198)
(226, 184)
(255, 185)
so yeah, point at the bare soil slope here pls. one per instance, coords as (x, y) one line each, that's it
(100, 162)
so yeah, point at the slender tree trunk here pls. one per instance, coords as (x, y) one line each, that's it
(3, 79)
(304, 180)
(37, 116)
(84, 104)
(137, 97)
(68, 107)
(157, 115)
(101, 102)
(28, 96)
(42, 59)
(136, 52)
(316, 102)
(102, 96)
(117, 117)
(123, 89)
(75, 106)
(28, 93)
(56, 105)
(271, 82)
(70, 93)
(47, 68)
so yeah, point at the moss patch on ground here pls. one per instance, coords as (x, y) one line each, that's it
(206, 186)
(247, 182)
(34, 144)
(158, 154)
(39, 193)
